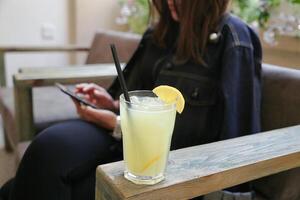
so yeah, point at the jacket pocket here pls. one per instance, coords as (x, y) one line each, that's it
(197, 90)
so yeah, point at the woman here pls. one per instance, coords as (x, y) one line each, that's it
(213, 58)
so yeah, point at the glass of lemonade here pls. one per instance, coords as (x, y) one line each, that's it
(147, 125)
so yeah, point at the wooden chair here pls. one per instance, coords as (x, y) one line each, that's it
(97, 53)
(208, 168)
(29, 107)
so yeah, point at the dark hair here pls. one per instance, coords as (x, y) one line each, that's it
(197, 19)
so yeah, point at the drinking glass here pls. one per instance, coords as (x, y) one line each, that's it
(147, 125)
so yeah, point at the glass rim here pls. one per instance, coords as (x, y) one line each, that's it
(146, 91)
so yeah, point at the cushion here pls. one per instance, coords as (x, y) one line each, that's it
(280, 97)
(100, 51)
(280, 108)
(50, 106)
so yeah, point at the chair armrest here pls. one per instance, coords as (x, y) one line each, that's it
(202, 169)
(10, 49)
(43, 48)
(45, 76)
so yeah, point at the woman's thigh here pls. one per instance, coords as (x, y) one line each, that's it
(71, 144)
(62, 155)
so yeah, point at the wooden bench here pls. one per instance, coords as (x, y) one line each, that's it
(29, 78)
(49, 106)
(203, 169)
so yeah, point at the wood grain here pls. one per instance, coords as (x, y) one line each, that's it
(48, 76)
(43, 48)
(2, 70)
(206, 168)
(39, 49)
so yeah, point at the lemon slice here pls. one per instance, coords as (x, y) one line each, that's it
(170, 94)
(150, 162)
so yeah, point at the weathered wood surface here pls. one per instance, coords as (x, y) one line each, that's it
(2, 69)
(206, 168)
(24, 113)
(35, 49)
(43, 48)
(48, 76)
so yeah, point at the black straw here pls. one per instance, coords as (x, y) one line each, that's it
(120, 73)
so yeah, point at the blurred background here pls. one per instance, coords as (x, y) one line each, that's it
(51, 23)
(59, 22)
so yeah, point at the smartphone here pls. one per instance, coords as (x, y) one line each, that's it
(74, 96)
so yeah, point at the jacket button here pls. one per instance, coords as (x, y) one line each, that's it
(169, 66)
(195, 93)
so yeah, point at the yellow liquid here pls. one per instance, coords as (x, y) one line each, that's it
(146, 139)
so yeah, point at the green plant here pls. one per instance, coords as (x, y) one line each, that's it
(257, 10)
(134, 13)
(248, 10)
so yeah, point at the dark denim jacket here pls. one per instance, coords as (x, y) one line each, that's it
(222, 99)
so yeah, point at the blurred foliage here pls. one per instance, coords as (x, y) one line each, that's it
(257, 10)
(135, 12)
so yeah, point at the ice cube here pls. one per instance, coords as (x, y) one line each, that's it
(146, 103)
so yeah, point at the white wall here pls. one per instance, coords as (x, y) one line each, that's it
(22, 22)
(95, 14)
(92, 15)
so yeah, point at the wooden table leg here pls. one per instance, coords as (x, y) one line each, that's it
(2, 69)
(24, 112)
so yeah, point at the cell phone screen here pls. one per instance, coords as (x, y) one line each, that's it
(73, 95)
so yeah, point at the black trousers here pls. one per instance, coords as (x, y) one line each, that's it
(61, 162)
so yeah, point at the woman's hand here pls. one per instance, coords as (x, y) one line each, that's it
(97, 95)
(102, 117)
